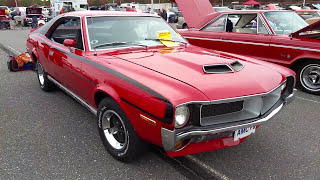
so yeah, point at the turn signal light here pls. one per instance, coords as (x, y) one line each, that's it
(182, 144)
(148, 120)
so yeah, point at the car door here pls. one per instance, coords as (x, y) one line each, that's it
(67, 66)
(210, 36)
(249, 37)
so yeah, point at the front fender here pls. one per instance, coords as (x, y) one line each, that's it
(109, 91)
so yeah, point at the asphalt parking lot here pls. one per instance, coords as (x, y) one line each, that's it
(51, 136)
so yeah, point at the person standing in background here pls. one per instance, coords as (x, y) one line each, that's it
(148, 10)
(164, 14)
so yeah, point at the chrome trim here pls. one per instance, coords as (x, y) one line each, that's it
(231, 99)
(231, 128)
(170, 138)
(81, 101)
(231, 41)
(243, 42)
(208, 39)
(298, 48)
(239, 99)
(259, 44)
(264, 24)
(291, 97)
(231, 69)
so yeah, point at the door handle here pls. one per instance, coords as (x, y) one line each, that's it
(50, 53)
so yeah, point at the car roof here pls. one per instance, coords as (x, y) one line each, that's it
(311, 10)
(107, 13)
(211, 16)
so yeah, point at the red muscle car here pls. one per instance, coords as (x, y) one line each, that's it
(144, 82)
(4, 20)
(281, 37)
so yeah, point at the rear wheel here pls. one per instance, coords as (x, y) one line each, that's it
(309, 77)
(45, 84)
(117, 133)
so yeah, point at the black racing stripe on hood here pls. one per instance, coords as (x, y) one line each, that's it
(168, 118)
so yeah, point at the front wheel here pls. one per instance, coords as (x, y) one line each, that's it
(309, 77)
(117, 133)
(45, 84)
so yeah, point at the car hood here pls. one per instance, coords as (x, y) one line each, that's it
(195, 11)
(312, 27)
(186, 65)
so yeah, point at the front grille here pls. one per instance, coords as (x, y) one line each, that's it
(220, 109)
(241, 109)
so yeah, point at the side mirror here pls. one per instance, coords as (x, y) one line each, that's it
(70, 42)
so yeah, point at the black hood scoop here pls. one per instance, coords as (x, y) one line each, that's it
(236, 65)
(223, 68)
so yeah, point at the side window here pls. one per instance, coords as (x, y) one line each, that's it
(70, 28)
(217, 25)
(250, 27)
(261, 28)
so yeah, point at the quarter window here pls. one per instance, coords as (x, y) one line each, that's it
(261, 28)
(217, 25)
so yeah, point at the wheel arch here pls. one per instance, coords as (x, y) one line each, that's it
(34, 55)
(295, 65)
(105, 91)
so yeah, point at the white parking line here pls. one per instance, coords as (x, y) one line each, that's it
(13, 49)
(210, 169)
(310, 100)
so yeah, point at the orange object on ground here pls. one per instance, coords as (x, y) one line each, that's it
(22, 59)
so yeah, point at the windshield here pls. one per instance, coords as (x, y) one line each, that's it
(285, 22)
(139, 30)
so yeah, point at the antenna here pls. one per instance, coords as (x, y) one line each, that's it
(94, 36)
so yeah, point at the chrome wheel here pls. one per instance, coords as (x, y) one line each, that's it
(40, 74)
(114, 130)
(310, 77)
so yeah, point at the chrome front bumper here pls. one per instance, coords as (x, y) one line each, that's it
(171, 137)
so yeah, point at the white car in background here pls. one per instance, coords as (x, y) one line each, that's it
(45, 12)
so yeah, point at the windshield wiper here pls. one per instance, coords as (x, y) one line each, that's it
(161, 39)
(118, 44)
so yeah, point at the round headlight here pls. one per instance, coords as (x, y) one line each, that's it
(181, 116)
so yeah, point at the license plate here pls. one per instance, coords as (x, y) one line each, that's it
(244, 132)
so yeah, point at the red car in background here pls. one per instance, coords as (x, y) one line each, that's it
(146, 83)
(281, 37)
(4, 19)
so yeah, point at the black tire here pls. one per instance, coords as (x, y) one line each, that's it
(132, 145)
(45, 84)
(185, 26)
(308, 75)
